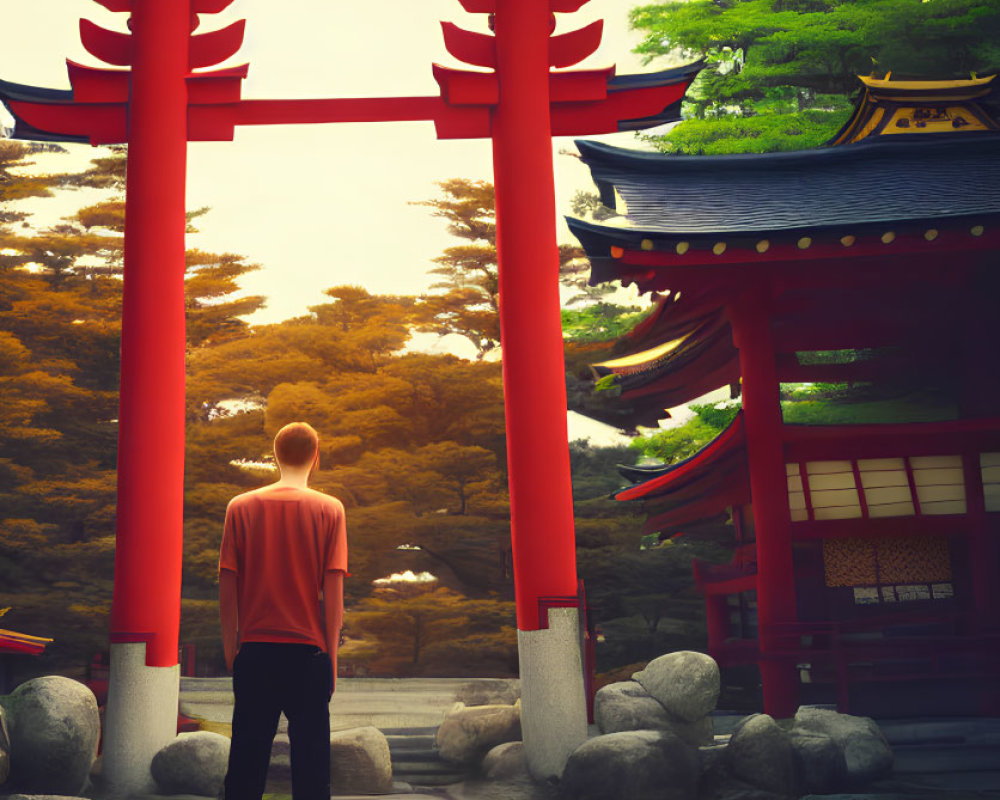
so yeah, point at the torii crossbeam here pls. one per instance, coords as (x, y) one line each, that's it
(165, 98)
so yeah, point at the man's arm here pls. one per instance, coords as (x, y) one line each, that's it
(229, 614)
(333, 613)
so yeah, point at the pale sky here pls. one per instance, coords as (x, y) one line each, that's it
(319, 205)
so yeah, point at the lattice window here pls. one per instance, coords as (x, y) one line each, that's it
(879, 487)
(940, 484)
(887, 487)
(989, 463)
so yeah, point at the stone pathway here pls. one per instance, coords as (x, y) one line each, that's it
(941, 758)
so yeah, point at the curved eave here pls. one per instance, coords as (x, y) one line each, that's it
(654, 80)
(657, 260)
(626, 417)
(11, 642)
(644, 360)
(638, 368)
(645, 404)
(702, 354)
(12, 94)
(641, 399)
(649, 80)
(701, 499)
(965, 88)
(605, 158)
(726, 443)
(887, 179)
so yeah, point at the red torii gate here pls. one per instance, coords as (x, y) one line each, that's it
(159, 105)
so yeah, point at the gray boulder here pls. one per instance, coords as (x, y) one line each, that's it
(700, 733)
(761, 754)
(632, 765)
(490, 692)
(867, 755)
(193, 763)
(467, 734)
(360, 762)
(54, 729)
(820, 762)
(627, 706)
(685, 683)
(506, 762)
(714, 769)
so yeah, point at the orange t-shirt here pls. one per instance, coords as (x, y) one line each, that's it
(281, 541)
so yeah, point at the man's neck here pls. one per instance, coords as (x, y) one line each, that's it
(297, 478)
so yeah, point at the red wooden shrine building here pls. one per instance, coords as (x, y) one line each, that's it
(14, 643)
(850, 294)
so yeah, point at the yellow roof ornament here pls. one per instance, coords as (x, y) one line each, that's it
(889, 107)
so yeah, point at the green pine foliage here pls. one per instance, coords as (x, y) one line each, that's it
(600, 321)
(675, 444)
(799, 59)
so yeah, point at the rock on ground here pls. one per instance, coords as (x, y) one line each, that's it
(495, 692)
(761, 754)
(506, 762)
(627, 706)
(360, 761)
(467, 734)
(193, 763)
(867, 755)
(54, 729)
(632, 765)
(685, 683)
(820, 762)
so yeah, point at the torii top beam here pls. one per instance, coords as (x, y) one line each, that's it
(584, 102)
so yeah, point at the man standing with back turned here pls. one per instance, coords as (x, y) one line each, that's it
(281, 599)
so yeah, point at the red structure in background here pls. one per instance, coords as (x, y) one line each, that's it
(866, 544)
(163, 102)
(14, 643)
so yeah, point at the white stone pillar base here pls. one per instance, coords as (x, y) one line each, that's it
(553, 700)
(140, 719)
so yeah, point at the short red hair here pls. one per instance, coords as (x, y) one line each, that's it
(296, 444)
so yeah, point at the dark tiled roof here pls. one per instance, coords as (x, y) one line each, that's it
(888, 179)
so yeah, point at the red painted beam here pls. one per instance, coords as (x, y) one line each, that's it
(831, 442)
(361, 109)
(888, 527)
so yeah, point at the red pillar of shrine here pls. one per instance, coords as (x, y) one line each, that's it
(543, 539)
(145, 611)
(716, 621)
(776, 604)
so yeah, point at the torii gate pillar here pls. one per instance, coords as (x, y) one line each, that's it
(145, 611)
(553, 714)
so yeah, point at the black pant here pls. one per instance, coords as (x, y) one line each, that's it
(269, 678)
